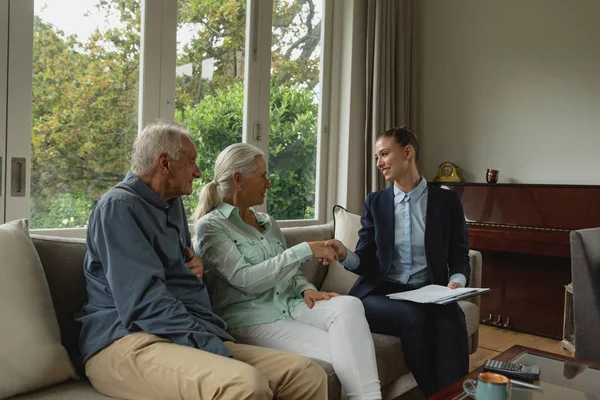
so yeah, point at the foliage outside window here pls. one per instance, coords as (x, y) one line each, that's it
(85, 104)
(85, 97)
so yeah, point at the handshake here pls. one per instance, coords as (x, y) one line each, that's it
(328, 251)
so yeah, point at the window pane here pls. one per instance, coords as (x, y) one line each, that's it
(296, 50)
(210, 79)
(85, 94)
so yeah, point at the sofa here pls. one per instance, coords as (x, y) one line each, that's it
(585, 270)
(62, 260)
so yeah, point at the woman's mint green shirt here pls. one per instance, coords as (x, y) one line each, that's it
(255, 279)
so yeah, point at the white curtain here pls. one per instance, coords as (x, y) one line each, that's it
(391, 75)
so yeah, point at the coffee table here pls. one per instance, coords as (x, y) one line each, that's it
(563, 378)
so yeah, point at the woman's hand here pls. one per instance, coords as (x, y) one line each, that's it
(311, 296)
(323, 252)
(454, 285)
(338, 247)
(194, 263)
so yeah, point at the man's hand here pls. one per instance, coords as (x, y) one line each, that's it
(194, 263)
(454, 285)
(311, 296)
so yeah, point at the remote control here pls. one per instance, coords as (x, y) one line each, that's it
(521, 372)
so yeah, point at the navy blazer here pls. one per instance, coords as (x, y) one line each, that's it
(446, 243)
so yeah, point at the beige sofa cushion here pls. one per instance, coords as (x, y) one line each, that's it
(31, 355)
(345, 226)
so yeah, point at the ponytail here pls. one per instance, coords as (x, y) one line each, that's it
(209, 199)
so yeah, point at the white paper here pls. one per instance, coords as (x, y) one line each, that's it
(435, 294)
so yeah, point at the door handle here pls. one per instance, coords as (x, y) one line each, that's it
(18, 173)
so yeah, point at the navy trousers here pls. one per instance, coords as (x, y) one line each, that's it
(434, 337)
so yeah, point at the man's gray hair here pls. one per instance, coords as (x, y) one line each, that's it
(156, 138)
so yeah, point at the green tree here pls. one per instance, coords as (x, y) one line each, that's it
(295, 75)
(292, 152)
(85, 104)
(216, 121)
(221, 36)
(84, 115)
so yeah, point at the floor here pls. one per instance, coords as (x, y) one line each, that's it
(492, 342)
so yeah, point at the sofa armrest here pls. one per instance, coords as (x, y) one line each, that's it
(475, 280)
(299, 234)
(585, 270)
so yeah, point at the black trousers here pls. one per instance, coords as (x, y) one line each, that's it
(434, 337)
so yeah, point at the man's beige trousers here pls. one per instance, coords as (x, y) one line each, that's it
(143, 366)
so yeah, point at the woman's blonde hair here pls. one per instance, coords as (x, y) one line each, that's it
(239, 157)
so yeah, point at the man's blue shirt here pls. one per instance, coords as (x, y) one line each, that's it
(136, 277)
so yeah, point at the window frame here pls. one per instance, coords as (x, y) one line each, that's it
(158, 56)
(18, 105)
(3, 97)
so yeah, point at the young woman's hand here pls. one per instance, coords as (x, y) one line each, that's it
(454, 285)
(323, 252)
(311, 296)
(338, 247)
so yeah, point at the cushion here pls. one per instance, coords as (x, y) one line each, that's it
(31, 355)
(345, 226)
(62, 259)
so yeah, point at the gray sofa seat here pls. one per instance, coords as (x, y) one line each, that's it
(71, 390)
(62, 259)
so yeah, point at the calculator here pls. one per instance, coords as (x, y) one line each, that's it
(517, 371)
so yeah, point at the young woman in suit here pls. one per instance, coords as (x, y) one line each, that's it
(412, 234)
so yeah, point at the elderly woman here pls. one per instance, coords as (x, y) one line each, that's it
(257, 284)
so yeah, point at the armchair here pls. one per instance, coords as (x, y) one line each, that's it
(585, 271)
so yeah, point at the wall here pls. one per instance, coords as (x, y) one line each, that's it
(512, 85)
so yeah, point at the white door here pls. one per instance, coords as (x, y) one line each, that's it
(3, 86)
(16, 32)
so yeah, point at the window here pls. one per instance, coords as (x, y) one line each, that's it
(85, 93)
(209, 89)
(294, 108)
(230, 71)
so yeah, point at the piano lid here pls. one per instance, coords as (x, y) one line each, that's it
(533, 219)
(560, 207)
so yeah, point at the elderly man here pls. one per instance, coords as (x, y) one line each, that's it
(148, 328)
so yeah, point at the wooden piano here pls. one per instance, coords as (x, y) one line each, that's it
(522, 232)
